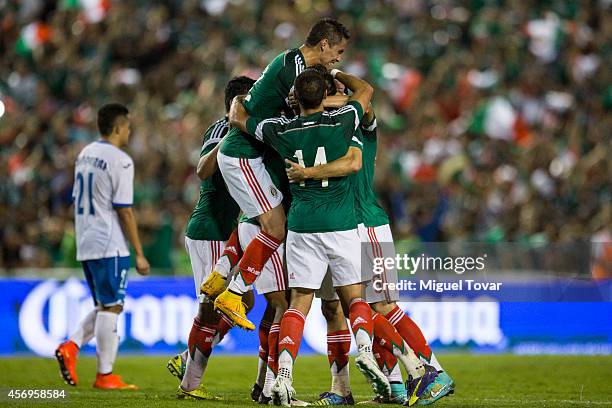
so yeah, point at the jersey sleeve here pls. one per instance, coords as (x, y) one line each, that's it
(357, 139)
(266, 130)
(212, 137)
(122, 177)
(349, 117)
(369, 129)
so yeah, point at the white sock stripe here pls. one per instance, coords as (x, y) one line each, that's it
(338, 338)
(295, 311)
(275, 330)
(356, 300)
(263, 238)
(206, 329)
(227, 320)
(396, 317)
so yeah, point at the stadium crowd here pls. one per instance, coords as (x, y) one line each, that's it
(494, 115)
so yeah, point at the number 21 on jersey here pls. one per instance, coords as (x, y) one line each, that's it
(82, 187)
(320, 158)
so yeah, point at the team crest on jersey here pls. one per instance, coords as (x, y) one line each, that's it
(273, 191)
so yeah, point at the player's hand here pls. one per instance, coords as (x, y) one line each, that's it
(142, 265)
(295, 172)
(293, 102)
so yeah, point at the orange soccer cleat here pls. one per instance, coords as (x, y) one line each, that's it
(66, 355)
(112, 382)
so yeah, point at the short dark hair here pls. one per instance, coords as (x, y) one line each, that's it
(107, 117)
(327, 28)
(310, 88)
(239, 85)
(330, 84)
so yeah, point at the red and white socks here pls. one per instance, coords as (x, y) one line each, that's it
(231, 255)
(255, 256)
(289, 339)
(338, 347)
(107, 341)
(413, 335)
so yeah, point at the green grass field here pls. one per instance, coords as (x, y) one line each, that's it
(482, 381)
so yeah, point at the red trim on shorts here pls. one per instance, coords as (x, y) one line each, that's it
(254, 184)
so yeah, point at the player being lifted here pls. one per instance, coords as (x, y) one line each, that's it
(103, 196)
(395, 328)
(321, 223)
(208, 235)
(241, 163)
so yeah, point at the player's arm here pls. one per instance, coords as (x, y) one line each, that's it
(207, 165)
(349, 163)
(122, 178)
(362, 91)
(238, 115)
(130, 229)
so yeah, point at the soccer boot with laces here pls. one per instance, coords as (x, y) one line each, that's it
(231, 305)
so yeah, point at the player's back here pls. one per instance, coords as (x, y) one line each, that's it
(103, 179)
(319, 205)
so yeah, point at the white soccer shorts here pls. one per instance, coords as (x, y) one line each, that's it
(203, 256)
(310, 254)
(378, 244)
(273, 277)
(249, 184)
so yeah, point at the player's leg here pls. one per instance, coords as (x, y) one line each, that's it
(252, 188)
(307, 264)
(379, 243)
(67, 352)
(388, 364)
(341, 247)
(216, 281)
(338, 347)
(262, 362)
(109, 278)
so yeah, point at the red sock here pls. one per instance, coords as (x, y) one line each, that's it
(384, 358)
(410, 332)
(257, 253)
(338, 347)
(264, 332)
(360, 316)
(291, 330)
(201, 337)
(224, 326)
(273, 347)
(232, 250)
(385, 334)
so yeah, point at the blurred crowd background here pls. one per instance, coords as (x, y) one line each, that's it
(494, 116)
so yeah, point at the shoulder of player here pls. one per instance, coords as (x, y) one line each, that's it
(217, 130)
(294, 61)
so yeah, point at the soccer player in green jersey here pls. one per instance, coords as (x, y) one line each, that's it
(375, 233)
(321, 220)
(240, 159)
(210, 227)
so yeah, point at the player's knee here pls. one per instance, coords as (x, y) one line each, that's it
(273, 222)
(278, 301)
(330, 309)
(383, 307)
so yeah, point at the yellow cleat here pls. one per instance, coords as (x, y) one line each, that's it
(200, 393)
(213, 285)
(231, 306)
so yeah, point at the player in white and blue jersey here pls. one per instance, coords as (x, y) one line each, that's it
(103, 196)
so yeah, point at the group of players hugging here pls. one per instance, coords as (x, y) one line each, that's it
(287, 206)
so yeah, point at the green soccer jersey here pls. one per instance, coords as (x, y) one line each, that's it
(215, 215)
(368, 210)
(266, 99)
(317, 205)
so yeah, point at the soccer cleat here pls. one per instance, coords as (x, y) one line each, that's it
(66, 355)
(176, 366)
(200, 393)
(282, 391)
(330, 398)
(256, 392)
(441, 387)
(367, 365)
(213, 285)
(398, 396)
(298, 403)
(416, 387)
(230, 304)
(263, 400)
(112, 382)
